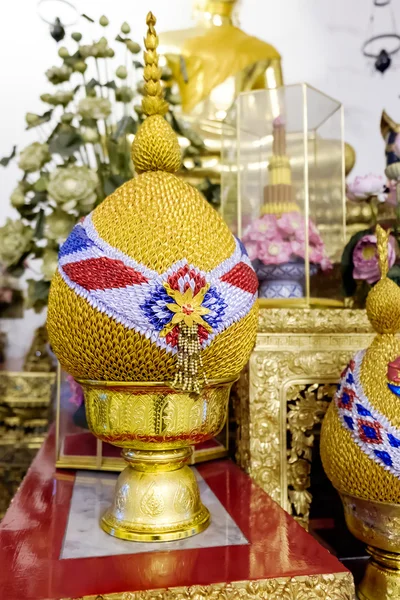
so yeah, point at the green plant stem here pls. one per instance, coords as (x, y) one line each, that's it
(106, 70)
(82, 157)
(98, 76)
(102, 145)
(84, 83)
(99, 172)
(107, 130)
(126, 157)
(126, 149)
(87, 154)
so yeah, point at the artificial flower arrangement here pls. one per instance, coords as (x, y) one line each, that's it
(82, 154)
(280, 240)
(360, 267)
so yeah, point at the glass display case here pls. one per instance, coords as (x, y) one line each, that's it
(283, 190)
(78, 448)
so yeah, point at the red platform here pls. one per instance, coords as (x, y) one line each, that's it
(31, 537)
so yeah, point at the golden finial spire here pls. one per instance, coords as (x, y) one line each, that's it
(153, 102)
(156, 146)
(383, 301)
(382, 237)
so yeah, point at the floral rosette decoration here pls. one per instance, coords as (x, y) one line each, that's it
(185, 298)
(82, 153)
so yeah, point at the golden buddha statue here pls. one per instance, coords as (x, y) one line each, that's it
(244, 63)
(207, 93)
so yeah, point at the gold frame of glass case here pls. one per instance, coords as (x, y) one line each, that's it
(69, 456)
(283, 151)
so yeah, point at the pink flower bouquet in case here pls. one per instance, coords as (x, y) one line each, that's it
(277, 248)
(276, 240)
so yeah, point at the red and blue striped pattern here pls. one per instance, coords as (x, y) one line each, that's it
(134, 295)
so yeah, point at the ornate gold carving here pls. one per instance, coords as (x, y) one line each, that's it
(307, 405)
(151, 534)
(240, 405)
(38, 358)
(160, 499)
(377, 524)
(121, 497)
(152, 503)
(14, 463)
(313, 320)
(30, 389)
(295, 349)
(24, 416)
(338, 586)
(186, 498)
(125, 415)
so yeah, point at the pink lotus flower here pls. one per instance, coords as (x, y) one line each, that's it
(261, 229)
(292, 224)
(365, 187)
(314, 235)
(275, 240)
(365, 258)
(316, 255)
(298, 248)
(275, 252)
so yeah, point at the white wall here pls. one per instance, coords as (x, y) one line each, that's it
(320, 42)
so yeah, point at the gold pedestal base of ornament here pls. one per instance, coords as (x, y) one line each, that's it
(377, 524)
(157, 496)
(382, 576)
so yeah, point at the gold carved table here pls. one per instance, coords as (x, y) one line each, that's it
(24, 416)
(285, 391)
(52, 547)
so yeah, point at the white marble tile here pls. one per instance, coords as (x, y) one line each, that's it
(91, 496)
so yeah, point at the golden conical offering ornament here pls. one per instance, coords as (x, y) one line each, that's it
(360, 439)
(153, 310)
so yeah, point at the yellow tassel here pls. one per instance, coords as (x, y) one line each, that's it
(190, 374)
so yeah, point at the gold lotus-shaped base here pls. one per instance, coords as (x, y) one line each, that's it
(157, 495)
(377, 524)
(156, 505)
